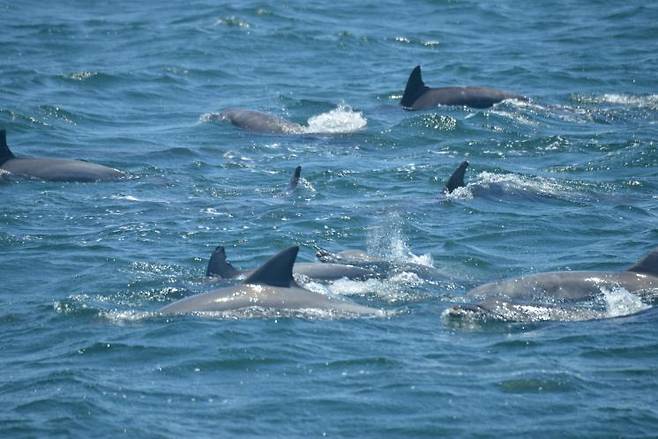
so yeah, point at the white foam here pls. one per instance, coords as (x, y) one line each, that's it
(620, 302)
(647, 101)
(342, 119)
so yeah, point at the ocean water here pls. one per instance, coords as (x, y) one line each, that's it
(567, 181)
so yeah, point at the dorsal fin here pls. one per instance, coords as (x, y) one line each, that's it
(5, 153)
(277, 271)
(219, 266)
(648, 264)
(294, 180)
(457, 178)
(414, 89)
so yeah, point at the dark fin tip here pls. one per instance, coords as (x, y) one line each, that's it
(277, 271)
(456, 180)
(414, 89)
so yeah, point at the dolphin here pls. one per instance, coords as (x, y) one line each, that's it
(270, 286)
(456, 180)
(260, 122)
(558, 287)
(294, 180)
(417, 96)
(359, 258)
(53, 169)
(219, 266)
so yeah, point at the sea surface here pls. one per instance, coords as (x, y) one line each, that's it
(566, 181)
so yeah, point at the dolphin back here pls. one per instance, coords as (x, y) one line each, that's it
(414, 89)
(277, 271)
(647, 265)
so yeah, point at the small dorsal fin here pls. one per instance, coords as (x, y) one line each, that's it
(5, 152)
(277, 271)
(457, 178)
(294, 180)
(219, 266)
(648, 264)
(414, 89)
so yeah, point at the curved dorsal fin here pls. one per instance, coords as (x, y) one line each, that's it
(294, 180)
(648, 264)
(277, 271)
(414, 89)
(219, 266)
(457, 178)
(5, 153)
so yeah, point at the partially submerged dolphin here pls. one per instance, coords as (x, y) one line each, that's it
(456, 180)
(556, 288)
(53, 169)
(384, 267)
(270, 286)
(260, 122)
(294, 180)
(219, 266)
(417, 96)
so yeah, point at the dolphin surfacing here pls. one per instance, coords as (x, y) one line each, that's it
(456, 180)
(271, 286)
(557, 288)
(417, 96)
(219, 266)
(53, 169)
(260, 122)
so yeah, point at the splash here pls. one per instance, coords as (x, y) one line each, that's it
(489, 183)
(341, 119)
(619, 302)
(611, 303)
(388, 242)
(396, 289)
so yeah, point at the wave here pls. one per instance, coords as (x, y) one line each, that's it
(627, 100)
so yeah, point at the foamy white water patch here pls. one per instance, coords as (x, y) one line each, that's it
(646, 101)
(342, 119)
(392, 290)
(511, 183)
(620, 302)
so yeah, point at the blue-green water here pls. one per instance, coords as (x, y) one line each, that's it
(567, 181)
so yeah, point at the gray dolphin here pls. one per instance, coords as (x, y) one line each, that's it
(260, 122)
(270, 286)
(417, 96)
(385, 267)
(562, 287)
(219, 266)
(53, 169)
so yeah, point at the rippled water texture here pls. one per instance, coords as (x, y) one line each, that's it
(566, 181)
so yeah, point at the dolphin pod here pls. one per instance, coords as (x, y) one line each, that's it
(493, 299)
(219, 266)
(271, 287)
(417, 96)
(53, 169)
